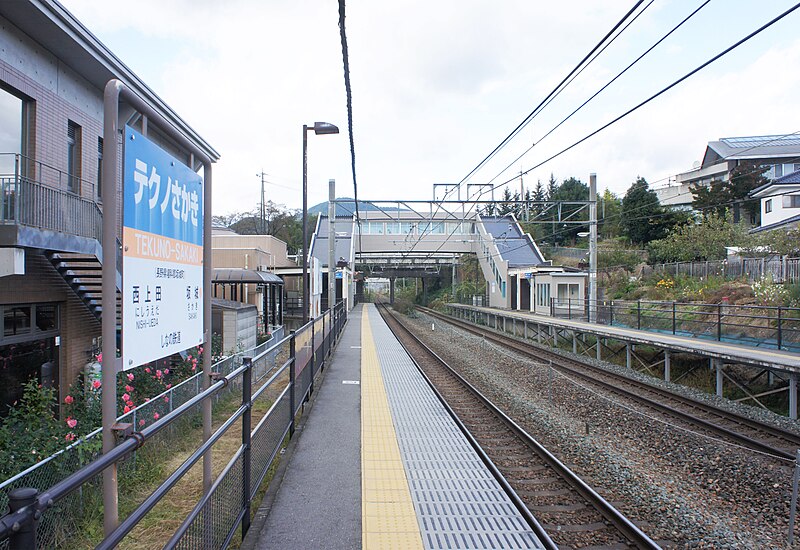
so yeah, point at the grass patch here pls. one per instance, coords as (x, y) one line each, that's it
(157, 460)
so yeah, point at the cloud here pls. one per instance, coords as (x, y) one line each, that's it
(436, 85)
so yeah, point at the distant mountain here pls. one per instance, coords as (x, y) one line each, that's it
(347, 208)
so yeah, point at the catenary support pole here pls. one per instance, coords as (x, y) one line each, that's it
(793, 396)
(667, 360)
(719, 367)
(592, 248)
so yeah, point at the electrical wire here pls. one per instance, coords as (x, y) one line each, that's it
(598, 92)
(659, 93)
(585, 62)
(533, 113)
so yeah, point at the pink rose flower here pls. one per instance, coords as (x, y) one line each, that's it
(99, 357)
(68, 400)
(156, 416)
(126, 397)
(70, 436)
(130, 377)
(71, 422)
(147, 370)
(128, 388)
(141, 422)
(96, 384)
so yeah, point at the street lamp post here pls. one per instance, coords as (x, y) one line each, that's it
(319, 128)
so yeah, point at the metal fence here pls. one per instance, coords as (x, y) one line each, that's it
(286, 366)
(773, 327)
(42, 196)
(781, 269)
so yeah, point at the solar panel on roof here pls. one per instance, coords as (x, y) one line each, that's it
(761, 141)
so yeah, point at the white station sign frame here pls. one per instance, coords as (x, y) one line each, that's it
(162, 253)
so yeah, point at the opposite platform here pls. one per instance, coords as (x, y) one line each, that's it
(734, 353)
(418, 481)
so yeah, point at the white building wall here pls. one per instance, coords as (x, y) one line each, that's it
(778, 204)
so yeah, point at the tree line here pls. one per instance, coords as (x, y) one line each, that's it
(279, 221)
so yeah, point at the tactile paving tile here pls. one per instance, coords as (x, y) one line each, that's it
(458, 503)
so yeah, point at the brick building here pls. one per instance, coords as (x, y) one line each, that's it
(52, 75)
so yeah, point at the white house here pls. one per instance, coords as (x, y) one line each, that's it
(780, 202)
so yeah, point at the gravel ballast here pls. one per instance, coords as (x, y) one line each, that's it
(681, 487)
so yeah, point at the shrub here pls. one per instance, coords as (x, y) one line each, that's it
(618, 257)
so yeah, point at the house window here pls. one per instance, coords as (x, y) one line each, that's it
(99, 168)
(791, 201)
(11, 136)
(27, 322)
(767, 206)
(778, 170)
(796, 167)
(73, 156)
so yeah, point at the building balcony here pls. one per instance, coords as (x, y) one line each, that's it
(44, 207)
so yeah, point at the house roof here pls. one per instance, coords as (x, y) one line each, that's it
(514, 245)
(776, 225)
(251, 276)
(752, 147)
(792, 178)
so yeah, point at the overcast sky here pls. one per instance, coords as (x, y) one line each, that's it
(438, 84)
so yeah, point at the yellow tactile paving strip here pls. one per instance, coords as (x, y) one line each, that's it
(388, 516)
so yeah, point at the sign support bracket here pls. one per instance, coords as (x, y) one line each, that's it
(116, 91)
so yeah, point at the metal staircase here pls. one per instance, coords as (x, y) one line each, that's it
(83, 273)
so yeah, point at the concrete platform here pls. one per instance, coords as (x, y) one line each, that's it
(380, 464)
(726, 351)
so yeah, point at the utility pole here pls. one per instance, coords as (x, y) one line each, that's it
(522, 195)
(263, 221)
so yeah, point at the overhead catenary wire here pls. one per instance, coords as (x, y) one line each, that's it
(587, 59)
(658, 94)
(598, 92)
(533, 113)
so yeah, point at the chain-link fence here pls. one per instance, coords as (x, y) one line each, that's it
(55, 528)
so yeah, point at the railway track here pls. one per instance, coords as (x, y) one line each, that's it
(731, 426)
(569, 510)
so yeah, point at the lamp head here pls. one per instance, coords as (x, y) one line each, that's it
(325, 128)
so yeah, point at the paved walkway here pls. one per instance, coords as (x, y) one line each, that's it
(318, 504)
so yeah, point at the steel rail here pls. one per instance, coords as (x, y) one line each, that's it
(605, 508)
(562, 363)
